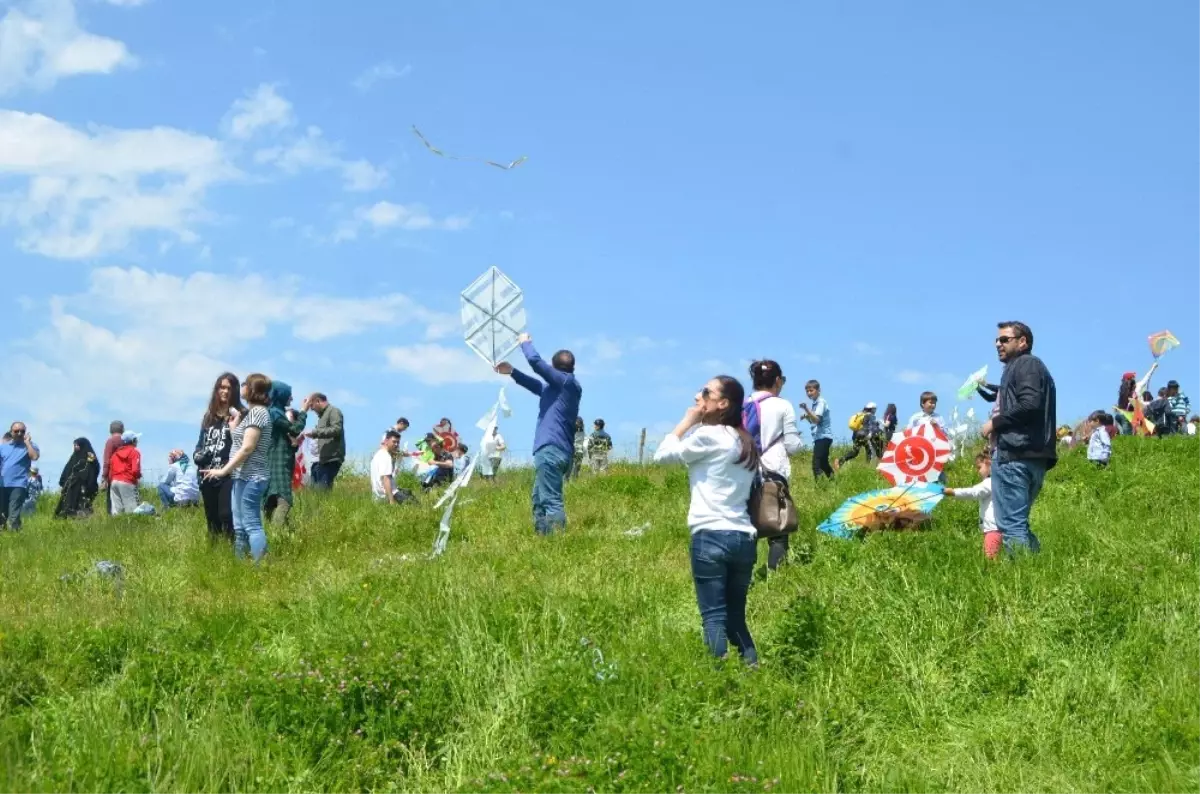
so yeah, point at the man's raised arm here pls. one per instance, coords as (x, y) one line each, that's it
(539, 365)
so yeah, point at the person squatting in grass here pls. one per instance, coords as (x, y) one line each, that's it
(1021, 433)
(722, 462)
(778, 436)
(212, 452)
(818, 415)
(286, 427)
(180, 486)
(554, 438)
(248, 466)
(383, 471)
(981, 492)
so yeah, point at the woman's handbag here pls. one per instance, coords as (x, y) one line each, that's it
(772, 511)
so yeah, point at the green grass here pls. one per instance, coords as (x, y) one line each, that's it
(351, 662)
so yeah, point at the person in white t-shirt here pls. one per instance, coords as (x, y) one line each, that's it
(779, 436)
(383, 468)
(722, 461)
(492, 453)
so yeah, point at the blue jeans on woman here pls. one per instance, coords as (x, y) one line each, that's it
(1015, 486)
(248, 532)
(722, 566)
(550, 466)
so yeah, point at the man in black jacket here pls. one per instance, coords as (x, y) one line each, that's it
(1022, 433)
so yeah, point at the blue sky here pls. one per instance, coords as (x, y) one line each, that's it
(857, 191)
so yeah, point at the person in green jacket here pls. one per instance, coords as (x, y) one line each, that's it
(286, 426)
(330, 435)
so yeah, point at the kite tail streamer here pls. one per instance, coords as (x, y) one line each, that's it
(487, 423)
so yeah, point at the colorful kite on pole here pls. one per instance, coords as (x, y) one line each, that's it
(918, 454)
(440, 153)
(1161, 342)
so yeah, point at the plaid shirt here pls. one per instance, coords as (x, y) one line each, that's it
(281, 457)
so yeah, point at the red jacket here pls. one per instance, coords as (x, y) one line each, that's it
(126, 465)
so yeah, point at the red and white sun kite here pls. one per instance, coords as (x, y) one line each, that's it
(917, 454)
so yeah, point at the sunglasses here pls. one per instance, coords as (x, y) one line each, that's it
(1004, 340)
(708, 394)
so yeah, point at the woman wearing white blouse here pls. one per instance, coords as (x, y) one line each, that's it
(722, 462)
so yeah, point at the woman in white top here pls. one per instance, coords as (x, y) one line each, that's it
(721, 461)
(779, 436)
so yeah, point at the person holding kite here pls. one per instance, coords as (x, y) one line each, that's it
(554, 438)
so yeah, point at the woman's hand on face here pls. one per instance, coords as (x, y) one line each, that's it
(694, 415)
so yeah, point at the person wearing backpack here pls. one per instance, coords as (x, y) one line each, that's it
(866, 434)
(771, 422)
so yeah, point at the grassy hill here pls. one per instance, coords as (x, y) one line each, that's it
(351, 662)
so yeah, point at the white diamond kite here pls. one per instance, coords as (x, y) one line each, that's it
(493, 316)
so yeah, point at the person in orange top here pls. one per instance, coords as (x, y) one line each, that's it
(125, 472)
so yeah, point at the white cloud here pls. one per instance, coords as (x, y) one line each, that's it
(42, 42)
(127, 3)
(87, 193)
(313, 152)
(261, 109)
(810, 358)
(387, 215)
(147, 346)
(437, 365)
(380, 71)
(865, 349)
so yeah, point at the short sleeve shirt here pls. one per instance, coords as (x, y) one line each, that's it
(824, 426)
(255, 466)
(382, 465)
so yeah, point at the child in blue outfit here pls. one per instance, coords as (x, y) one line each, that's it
(1102, 428)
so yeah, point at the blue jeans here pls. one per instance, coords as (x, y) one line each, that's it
(165, 496)
(722, 565)
(248, 529)
(12, 499)
(550, 466)
(1015, 486)
(323, 474)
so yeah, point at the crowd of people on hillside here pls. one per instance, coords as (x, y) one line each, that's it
(244, 466)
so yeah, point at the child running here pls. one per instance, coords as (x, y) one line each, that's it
(993, 539)
(1102, 428)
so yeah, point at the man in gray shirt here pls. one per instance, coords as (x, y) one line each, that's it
(330, 435)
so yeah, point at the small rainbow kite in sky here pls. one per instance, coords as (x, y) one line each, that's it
(1161, 342)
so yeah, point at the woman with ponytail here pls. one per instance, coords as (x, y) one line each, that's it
(722, 462)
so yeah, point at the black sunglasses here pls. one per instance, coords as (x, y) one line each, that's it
(1004, 340)
(708, 394)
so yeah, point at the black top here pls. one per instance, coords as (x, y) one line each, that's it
(1026, 414)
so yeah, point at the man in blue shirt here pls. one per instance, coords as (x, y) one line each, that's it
(16, 457)
(818, 415)
(554, 439)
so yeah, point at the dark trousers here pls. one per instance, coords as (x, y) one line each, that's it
(11, 502)
(869, 443)
(323, 474)
(218, 507)
(820, 458)
(777, 551)
(722, 566)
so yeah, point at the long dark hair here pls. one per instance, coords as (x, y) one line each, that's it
(732, 391)
(1125, 393)
(764, 373)
(212, 415)
(889, 411)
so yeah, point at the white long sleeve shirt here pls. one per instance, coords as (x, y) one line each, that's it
(777, 420)
(981, 493)
(720, 486)
(181, 478)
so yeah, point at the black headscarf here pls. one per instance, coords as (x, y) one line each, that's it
(78, 458)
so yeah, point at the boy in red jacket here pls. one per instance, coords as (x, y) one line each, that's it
(125, 472)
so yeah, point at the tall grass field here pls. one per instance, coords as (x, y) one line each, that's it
(350, 661)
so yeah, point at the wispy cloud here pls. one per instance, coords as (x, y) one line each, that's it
(383, 215)
(384, 70)
(866, 349)
(259, 110)
(42, 42)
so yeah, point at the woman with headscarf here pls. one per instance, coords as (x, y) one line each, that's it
(79, 482)
(286, 425)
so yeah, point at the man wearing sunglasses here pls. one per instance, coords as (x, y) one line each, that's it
(1022, 432)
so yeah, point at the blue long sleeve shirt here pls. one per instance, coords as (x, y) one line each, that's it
(558, 407)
